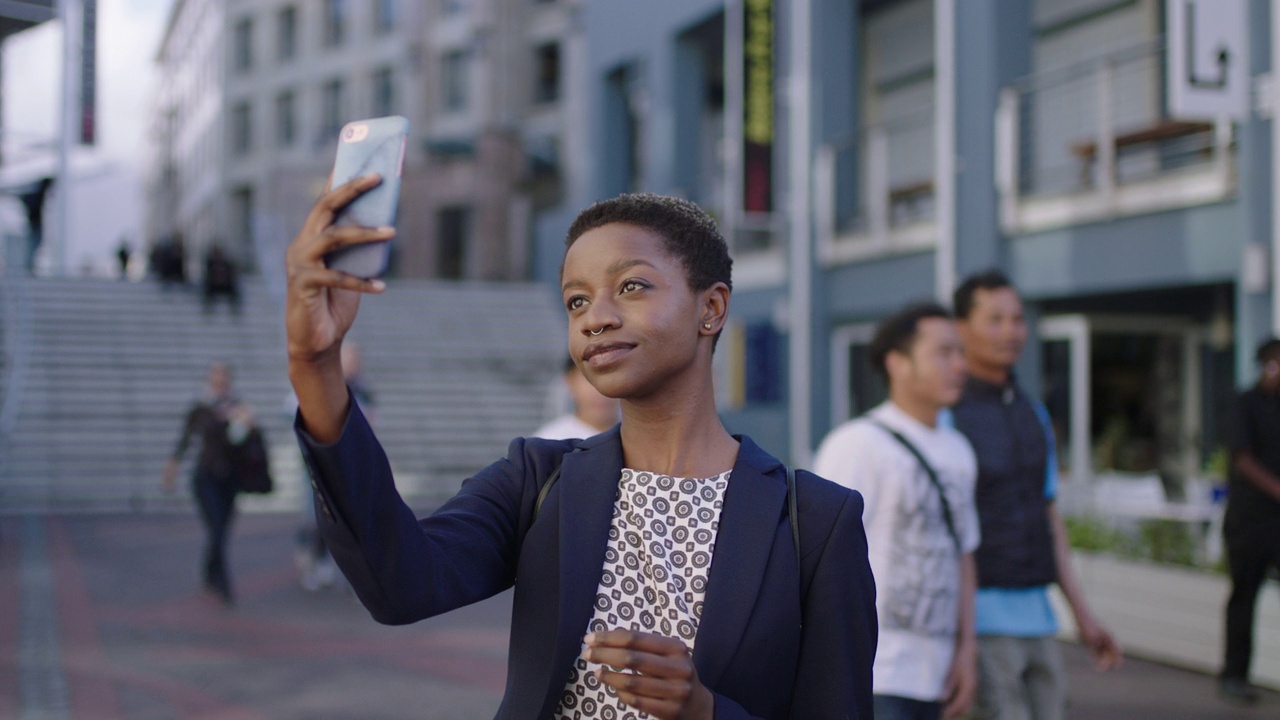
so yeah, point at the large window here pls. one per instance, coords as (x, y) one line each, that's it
(241, 129)
(453, 229)
(287, 33)
(385, 15)
(384, 92)
(286, 118)
(547, 61)
(241, 246)
(242, 45)
(625, 105)
(332, 110)
(453, 80)
(335, 22)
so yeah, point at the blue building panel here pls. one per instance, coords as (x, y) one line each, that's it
(1192, 246)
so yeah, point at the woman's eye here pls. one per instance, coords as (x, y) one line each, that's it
(632, 285)
(574, 302)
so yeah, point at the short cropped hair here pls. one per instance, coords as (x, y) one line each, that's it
(1269, 350)
(688, 233)
(962, 299)
(898, 333)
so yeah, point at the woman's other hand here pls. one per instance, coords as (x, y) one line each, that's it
(660, 678)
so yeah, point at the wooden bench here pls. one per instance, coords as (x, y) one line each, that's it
(1160, 132)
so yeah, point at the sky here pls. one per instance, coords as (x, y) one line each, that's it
(128, 34)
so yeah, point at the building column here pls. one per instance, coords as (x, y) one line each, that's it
(992, 48)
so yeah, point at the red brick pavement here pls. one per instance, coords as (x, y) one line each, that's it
(140, 641)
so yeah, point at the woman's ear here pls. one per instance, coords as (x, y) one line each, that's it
(715, 308)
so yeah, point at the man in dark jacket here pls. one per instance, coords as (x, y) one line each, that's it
(1252, 524)
(1024, 542)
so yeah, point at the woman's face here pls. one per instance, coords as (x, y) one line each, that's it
(620, 282)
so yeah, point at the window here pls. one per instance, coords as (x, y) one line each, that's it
(287, 27)
(241, 131)
(384, 92)
(547, 59)
(856, 386)
(242, 45)
(454, 225)
(331, 110)
(763, 364)
(453, 81)
(625, 106)
(286, 118)
(241, 245)
(385, 14)
(335, 19)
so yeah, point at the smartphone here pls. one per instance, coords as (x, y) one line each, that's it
(369, 146)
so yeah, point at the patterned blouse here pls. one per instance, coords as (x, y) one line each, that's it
(661, 541)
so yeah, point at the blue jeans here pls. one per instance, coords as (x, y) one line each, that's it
(892, 707)
(216, 498)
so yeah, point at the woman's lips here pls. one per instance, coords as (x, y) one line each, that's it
(605, 353)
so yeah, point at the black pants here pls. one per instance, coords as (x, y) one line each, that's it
(1252, 548)
(216, 498)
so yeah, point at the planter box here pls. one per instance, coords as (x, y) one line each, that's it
(1171, 614)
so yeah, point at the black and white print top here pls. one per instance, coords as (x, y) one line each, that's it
(654, 579)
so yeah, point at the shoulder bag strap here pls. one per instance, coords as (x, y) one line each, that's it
(933, 479)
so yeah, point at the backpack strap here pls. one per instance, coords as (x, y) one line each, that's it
(933, 479)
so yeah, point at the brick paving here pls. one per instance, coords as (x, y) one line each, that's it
(102, 618)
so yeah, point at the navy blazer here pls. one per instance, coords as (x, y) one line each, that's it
(770, 643)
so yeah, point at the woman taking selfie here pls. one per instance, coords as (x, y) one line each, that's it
(654, 565)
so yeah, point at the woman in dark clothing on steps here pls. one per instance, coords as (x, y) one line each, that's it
(220, 422)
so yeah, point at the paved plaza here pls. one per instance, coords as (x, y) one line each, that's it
(102, 618)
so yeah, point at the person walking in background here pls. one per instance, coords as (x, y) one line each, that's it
(316, 568)
(220, 422)
(659, 567)
(169, 261)
(1251, 526)
(220, 279)
(593, 413)
(1024, 542)
(123, 252)
(917, 481)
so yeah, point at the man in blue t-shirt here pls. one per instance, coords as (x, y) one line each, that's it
(1024, 543)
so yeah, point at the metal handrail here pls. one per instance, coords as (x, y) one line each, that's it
(1088, 66)
(19, 343)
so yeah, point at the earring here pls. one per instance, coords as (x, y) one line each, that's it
(706, 325)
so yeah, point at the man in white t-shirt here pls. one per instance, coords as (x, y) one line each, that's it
(917, 480)
(593, 413)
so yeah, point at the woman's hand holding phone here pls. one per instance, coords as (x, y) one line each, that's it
(321, 304)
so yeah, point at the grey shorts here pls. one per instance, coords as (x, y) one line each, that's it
(1020, 678)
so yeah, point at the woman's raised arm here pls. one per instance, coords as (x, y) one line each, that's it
(321, 305)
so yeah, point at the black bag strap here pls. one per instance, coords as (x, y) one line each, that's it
(933, 479)
(793, 513)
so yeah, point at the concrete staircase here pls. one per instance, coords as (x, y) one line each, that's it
(110, 369)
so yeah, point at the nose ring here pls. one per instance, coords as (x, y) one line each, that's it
(597, 332)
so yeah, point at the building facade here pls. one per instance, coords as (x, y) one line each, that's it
(253, 95)
(1108, 155)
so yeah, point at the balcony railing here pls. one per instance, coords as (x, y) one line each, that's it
(875, 189)
(1096, 140)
